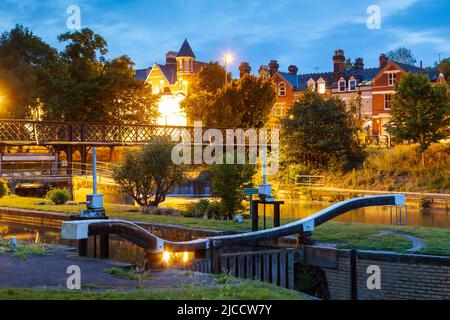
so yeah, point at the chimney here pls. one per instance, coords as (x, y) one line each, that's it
(383, 60)
(273, 67)
(171, 60)
(244, 68)
(263, 70)
(293, 69)
(338, 64)
(359, 64)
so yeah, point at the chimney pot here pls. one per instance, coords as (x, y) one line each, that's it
(383, 60)
(359, 64)
(273, 67)
(338, 64)
(293, 69)
(244, 68)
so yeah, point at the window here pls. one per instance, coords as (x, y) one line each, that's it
(187, 65)
(341, 85)
(352, 85)
(321, 88)
(282, 89)
(387, 101)
(279, 110)
(392, 77)
(311, 84)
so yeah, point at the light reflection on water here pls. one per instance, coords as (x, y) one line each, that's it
(371, 215)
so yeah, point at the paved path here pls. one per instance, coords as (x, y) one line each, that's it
(417, 243)
(50, 272)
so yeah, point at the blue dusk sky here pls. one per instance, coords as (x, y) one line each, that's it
(304, 33)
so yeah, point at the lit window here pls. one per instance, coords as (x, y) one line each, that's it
(387, 101)
(279, 110)
(341, 85)
(187, 65)
(352, 85)
(311, 85)
(282, 89)
(392, 77)
(321, 88)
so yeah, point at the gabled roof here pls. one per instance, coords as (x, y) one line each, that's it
(169, 73)
(186, 50)
(142, 74)
(300, 82)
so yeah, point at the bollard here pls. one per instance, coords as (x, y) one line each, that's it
(13, 244)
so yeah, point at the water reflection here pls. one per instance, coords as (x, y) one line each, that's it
(372, 215)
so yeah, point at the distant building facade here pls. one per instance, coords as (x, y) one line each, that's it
(368, 90)
(171, 81)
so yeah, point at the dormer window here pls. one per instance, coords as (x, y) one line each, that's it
(311, 85)
(392, 77)
(341, 86)
(321, 88)
(282, 89)
(352, 85)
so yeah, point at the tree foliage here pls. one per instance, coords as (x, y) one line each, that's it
(149, 174)
(320, 133)
(402, 54)
(444, 67)
(245, 102)
(29, 72)
(228, 181)
(420, 111)
(77, 84)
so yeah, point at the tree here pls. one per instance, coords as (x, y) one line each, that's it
(97, 89)
(244, 103)
(320, 133)
(420, 111)
(444, 67)
(228, 181)
(349, 64)
(403, 55)
(149, 174)
(29, 69)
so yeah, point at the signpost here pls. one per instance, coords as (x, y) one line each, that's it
(250, 192)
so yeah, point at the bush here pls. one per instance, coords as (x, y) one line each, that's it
(198, 209)
(3, 188)
(161, 211)
(213, 210)
(58, 196)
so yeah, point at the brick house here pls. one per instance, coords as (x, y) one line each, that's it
(346, 84)
(383, 89)
(171, 81)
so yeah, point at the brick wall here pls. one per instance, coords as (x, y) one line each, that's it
(403, 276)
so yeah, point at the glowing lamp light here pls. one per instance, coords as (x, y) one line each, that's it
(185, 257)
(166, 256)
(170, 111)
(228, 58)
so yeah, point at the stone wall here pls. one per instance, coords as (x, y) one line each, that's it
(403, 276)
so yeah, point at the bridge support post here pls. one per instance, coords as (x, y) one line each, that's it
(214, 256)
(83, 247)
(104, 246)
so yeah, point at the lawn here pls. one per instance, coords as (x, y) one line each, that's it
(345, 235)
(245, 290)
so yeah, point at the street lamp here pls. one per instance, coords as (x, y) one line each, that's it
(228, 59)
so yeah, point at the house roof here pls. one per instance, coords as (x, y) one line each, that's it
(433, 74)
(186, 50)
(169, 73)
(142, 74)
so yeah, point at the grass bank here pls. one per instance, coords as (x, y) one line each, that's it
(246, 290)
(401, 169)
(345, 235)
